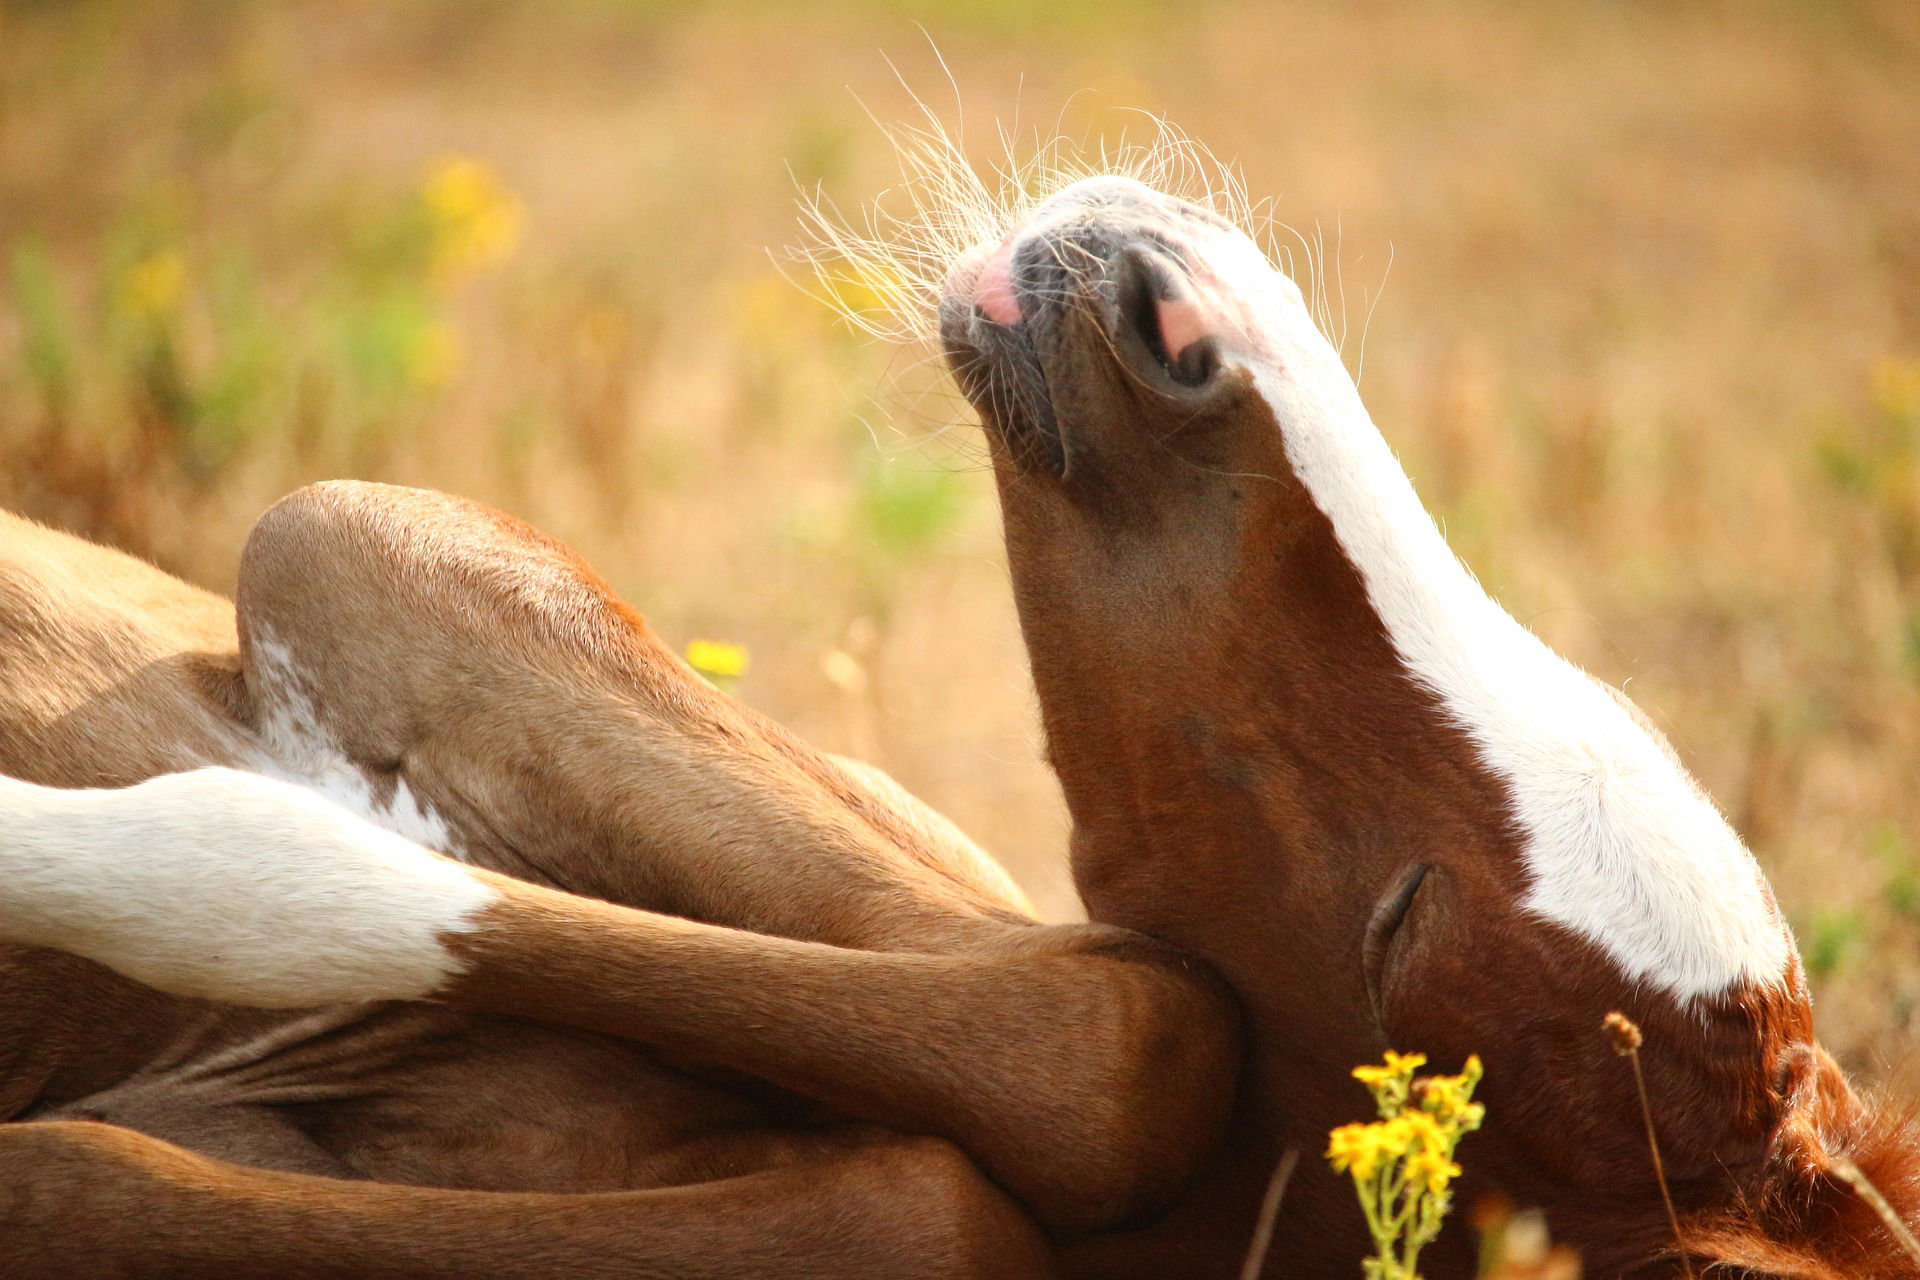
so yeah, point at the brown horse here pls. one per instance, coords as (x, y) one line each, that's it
(1299, 741)
(1300, 746)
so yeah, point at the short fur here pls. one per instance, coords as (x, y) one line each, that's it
(835, 952)
(230, 885)
(1257, 744)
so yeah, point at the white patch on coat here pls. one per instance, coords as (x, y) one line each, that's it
(230, 886)
(1622, 846)
(299, 751)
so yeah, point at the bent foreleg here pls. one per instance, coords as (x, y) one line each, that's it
(1086, 1069)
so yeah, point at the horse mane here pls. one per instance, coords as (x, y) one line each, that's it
(1812, 1216)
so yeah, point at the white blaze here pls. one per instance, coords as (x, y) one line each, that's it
(1622, 845)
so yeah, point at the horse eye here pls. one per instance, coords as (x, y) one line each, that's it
(1387, 918)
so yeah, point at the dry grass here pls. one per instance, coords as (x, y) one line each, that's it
(1651, 342)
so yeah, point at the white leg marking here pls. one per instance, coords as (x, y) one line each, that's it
(230, 886)
(299, 751)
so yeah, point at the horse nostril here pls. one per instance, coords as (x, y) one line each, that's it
(1155, 302)
(1137, 292)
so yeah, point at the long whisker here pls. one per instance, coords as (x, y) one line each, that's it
(884, 267)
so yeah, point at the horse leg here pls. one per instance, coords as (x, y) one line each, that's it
(84, 1201)
(470, 681)
(1086, 1068)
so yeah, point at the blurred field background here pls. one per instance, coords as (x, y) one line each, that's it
(1650, 341)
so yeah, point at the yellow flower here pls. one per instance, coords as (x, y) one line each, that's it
(1896, 387)
(1398, 1067)
(152, 287)
(1431, 1170)
(1444, 1098)
(716, 660)
(1423, 1131)
(476, 219)
(1355, 1148)
(1402, 1164)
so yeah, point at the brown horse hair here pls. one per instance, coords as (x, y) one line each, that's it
(1808, 1220)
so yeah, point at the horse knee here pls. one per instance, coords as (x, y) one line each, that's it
(338, 578)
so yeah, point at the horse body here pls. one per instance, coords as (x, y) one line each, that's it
(1328, 799)
(409, 665)
(116, 674)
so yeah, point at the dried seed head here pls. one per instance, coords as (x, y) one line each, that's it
(1622, 1033)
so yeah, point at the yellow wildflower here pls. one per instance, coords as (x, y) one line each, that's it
(1402, 1164)
(1390, 1081)
(1896, 387)
(1445, 1098)
(1355, 1149)
(476, 219)
(717, 660)
(1467, 1118)
(152, 287)
(1397, 1066)
(1423, 1132)
(1431, 1170)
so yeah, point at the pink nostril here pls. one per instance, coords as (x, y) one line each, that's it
(993, 292)
(1182, 323)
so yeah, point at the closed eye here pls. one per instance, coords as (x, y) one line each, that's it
(1388, 915)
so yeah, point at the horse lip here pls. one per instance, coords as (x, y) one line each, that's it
(1000, 371)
